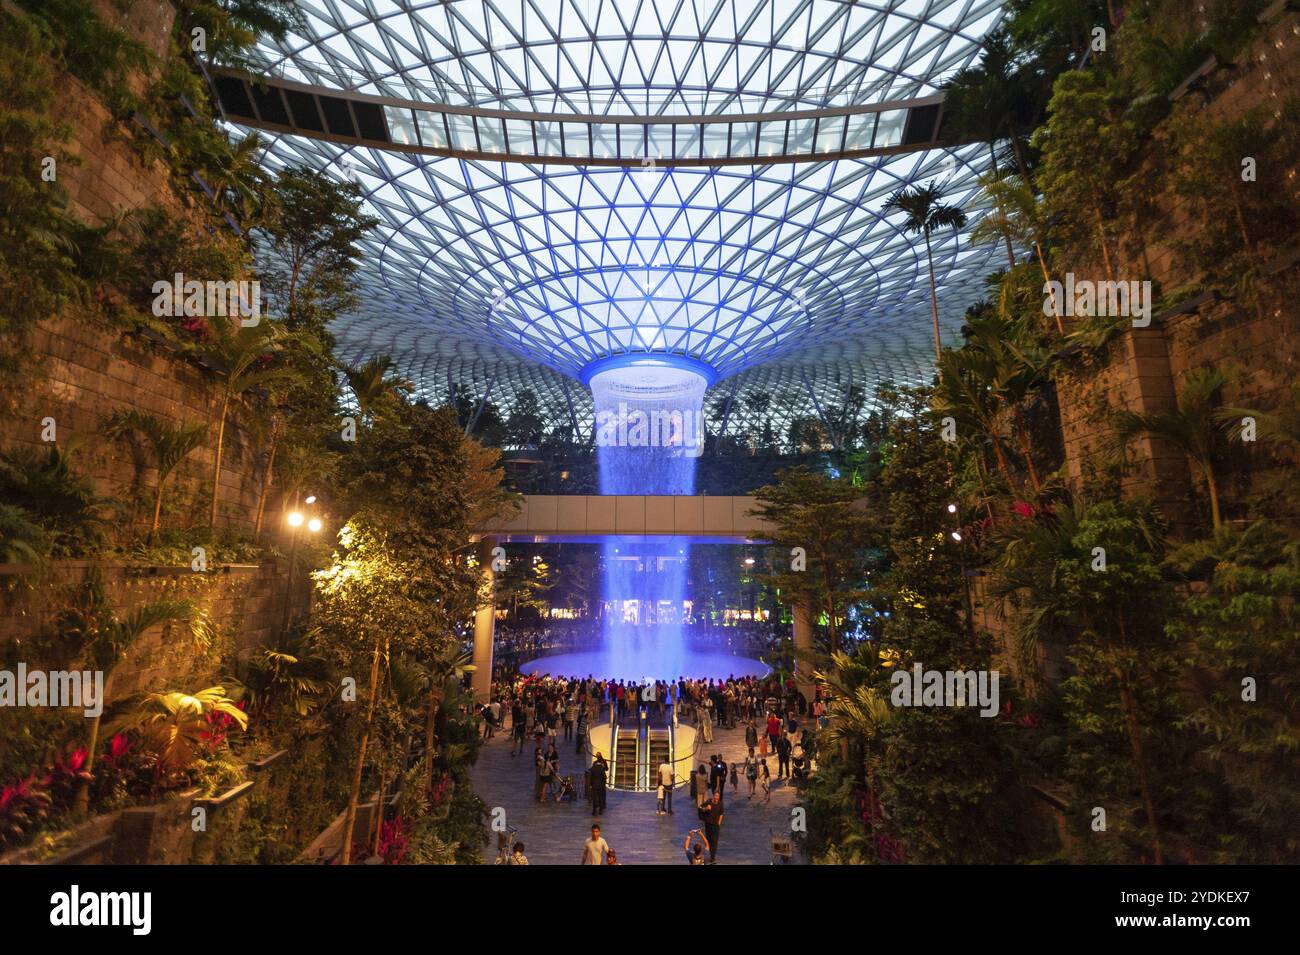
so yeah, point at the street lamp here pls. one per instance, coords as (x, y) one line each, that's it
(295, 520)
(961, 565)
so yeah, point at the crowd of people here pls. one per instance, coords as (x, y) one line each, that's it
(549, 712)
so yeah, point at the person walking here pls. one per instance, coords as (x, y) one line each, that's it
(751, 771)
(595, 848)
(666, 780)
(582, 727)
(713, 825)
(751, 734)
(699, 786)
(518, 729)
(598, 772)
(765, 780)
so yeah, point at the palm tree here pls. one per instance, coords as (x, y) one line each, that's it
(964, 394)
(1193, 427)
(108, 638)
(441, 668)
(237, 353)
(997, 96)
(926, 215)
(169, 444)
(372, 385)
(1019, 218)
(857, 713)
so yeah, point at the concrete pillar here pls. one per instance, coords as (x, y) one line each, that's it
(485, 618)
(803, 643)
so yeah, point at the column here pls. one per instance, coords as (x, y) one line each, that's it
(484, 625)
(803, 643)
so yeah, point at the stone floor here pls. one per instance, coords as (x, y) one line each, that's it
(553, 833)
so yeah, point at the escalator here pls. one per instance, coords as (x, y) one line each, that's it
(626, 749)
(659, 746)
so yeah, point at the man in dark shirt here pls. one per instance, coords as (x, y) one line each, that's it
(717, 774)
(597, 775)
(782, 756)
(713, 824)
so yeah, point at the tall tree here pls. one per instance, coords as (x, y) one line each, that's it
(828, 519)
(169, 444)
(1192, 426)
(241, 356)
(924, 214)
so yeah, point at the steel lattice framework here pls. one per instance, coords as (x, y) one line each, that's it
(786, 278)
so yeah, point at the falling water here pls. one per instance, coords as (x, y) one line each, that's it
(649, 435)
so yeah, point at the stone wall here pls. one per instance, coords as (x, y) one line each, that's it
(246, 604)
(93, 370)
(1143, 369)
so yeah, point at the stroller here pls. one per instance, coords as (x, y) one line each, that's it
(567, 792)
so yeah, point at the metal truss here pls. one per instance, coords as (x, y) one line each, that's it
(781, 276)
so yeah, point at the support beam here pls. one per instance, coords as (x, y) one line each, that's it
(803, 644)
(826, 422)
(485, 617)
(487, 396)
(726, 414)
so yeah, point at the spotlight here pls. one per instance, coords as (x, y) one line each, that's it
(956, 535)
(311, 498)
(749, 562)
(295, 519)
(313, 525)
(952, 508)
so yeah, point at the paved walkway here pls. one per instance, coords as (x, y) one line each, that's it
(553, 833)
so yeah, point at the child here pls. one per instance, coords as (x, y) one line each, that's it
(660, 811)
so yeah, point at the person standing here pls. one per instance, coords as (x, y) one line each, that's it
(666, 780)
(713, 825)
(751, 771)
(598, 772)
(595, 848)
(695, 853)
(782, 756)
(552, 769)
(570, 717)
(719, 780)
(518, 728)
(765, 780)
(582, 727)
(751, 734)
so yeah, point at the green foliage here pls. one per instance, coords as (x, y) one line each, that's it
(37, 273)
(177, 727)
(1245, 626)
(828, 519)
(100, 56)
(46, 487)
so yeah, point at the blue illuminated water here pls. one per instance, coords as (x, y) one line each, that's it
(646, 581)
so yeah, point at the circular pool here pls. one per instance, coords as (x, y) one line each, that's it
(642, 664)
